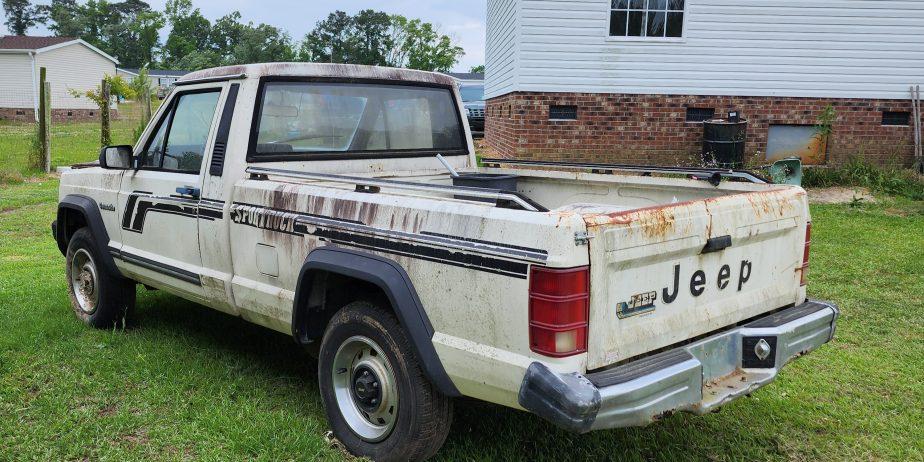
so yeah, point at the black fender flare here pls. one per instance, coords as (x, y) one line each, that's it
(87, 207)
(391, 278)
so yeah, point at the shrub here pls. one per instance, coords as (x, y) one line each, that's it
(860, 172)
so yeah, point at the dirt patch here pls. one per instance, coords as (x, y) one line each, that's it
(839, 195)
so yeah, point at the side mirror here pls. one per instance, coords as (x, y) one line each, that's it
(116, 157)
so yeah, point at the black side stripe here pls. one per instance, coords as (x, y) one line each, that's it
(482, 256)
(139, 204)
(156, 266)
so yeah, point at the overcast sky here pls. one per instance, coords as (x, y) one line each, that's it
(463, 20)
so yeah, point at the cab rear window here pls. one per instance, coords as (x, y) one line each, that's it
(304, 119)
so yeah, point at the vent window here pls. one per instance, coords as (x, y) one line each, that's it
(896, 118)
(700, 114)
(558, 112)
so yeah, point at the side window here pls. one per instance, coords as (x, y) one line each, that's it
(179, 143)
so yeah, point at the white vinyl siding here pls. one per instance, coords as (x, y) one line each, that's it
(16, 81)
(502, 49)
(75, 67)
(837, 49)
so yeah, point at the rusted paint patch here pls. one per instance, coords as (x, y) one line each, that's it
(653, 221)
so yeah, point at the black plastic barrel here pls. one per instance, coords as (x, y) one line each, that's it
(723, 142)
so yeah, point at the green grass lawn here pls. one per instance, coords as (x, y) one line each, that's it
(71, 142)
(190, 383)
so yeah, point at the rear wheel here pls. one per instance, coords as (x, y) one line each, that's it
(378, 401)
(98, 297)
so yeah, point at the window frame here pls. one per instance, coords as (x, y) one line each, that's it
(253, 157)
(633, 38)
(166, 116)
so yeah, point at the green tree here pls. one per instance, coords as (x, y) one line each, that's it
(133, 33)
(479, 69)
(21, 15)
(128, 30)
(327, 43)
(262, 44)
(189, 31)
(419, 45)
(67, 18)
(369, 40)
(198, 60)
(225, 34)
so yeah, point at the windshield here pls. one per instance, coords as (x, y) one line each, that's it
(472, 93)
(313, 117)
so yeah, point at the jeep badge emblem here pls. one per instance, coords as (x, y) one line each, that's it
(762, 349)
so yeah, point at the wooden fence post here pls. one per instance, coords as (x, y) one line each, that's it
(105, 136)
(146, 105)
(46, 118)
(44, 123)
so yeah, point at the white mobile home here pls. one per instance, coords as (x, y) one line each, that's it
(70, 63)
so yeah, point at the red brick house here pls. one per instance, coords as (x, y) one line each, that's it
(631, 81)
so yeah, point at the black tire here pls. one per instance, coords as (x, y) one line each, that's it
(114, 296)
(424, 415)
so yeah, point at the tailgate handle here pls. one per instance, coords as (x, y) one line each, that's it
(716, 244)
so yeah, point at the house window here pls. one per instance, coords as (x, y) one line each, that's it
(646, 18)
(557, 112)
(700, 114)
(902, 118)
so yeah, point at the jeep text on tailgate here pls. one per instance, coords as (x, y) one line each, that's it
(343, 204)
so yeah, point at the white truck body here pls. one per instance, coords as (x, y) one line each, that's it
(240, 240)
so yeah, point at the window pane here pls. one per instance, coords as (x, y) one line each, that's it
(189, 131)
(637, 4)
(675, 5)
(655, 24)
(620, 4)
(636, 23)
(472, 92)
(618, 23)
(341, 117)
(155, 152)
(657, 4)
(675, 24)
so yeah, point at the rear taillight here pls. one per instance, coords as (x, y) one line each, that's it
(805, 254)
(558, 310)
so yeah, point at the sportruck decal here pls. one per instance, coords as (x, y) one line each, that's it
(480, 255)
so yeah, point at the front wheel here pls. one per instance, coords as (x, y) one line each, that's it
(378, 401)
(98, 297)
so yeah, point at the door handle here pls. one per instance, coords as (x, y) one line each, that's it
(717, 243)
(188, 191)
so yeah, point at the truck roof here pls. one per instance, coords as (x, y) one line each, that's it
(322, 70)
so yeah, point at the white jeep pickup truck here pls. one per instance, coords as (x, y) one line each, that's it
(309, 198)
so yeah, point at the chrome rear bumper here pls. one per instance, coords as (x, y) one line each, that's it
(697, 377)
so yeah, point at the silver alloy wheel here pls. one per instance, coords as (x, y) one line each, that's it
(365, 388)
(85, 281)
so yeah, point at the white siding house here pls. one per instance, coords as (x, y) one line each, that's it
(71, 64)
(836, 49)
(632, 80)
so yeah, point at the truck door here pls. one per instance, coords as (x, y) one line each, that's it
(159, 201)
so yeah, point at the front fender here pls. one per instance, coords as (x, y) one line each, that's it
(89, 209)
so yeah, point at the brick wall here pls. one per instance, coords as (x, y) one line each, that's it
(652, 129)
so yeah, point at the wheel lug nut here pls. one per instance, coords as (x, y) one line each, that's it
(365, 373)
(374, 401)
(375, 384)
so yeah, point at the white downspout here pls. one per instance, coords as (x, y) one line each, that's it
(35, 95)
